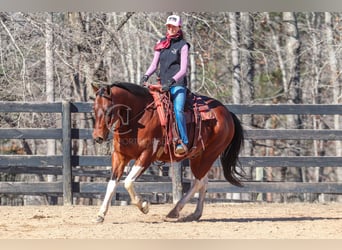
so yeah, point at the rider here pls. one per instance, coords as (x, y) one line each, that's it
(171, 52)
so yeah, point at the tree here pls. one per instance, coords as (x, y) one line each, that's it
(233, 19)
(334, 80)
(50, 87)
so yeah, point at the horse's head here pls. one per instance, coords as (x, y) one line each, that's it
(102, 105)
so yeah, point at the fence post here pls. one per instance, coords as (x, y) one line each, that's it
(67, 177)
(177, 188)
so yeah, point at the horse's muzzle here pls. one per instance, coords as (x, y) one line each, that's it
(99, 140)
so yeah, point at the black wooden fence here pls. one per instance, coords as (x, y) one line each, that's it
(66, 164)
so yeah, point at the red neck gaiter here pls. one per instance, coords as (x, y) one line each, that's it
(166, 43)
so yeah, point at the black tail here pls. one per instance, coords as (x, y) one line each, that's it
(230, 157)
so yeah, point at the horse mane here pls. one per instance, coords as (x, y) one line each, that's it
(132, 88)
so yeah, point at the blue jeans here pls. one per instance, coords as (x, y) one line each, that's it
(178, 95)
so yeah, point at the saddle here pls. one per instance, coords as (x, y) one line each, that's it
(196, 111)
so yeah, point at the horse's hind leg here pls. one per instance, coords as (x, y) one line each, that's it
(200, 202)
(197, 185)
(199, 167)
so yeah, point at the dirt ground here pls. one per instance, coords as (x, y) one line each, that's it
(219, 221)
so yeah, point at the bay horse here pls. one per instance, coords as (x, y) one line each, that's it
(128, 110)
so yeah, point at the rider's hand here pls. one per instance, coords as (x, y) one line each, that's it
(144, 79)
(165, 88)
(168, 85)
(171, 82)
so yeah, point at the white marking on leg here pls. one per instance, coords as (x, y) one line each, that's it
(157, 148)
(196, 185)
(131, 177)
(111, 186)
(155, 145)
(199, 208)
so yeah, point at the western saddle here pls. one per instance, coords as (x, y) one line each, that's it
(196, 111)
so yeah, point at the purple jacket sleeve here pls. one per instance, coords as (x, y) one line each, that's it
(154, 64)
(183, 64)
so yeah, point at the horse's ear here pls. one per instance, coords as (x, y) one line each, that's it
(108, 89)
(95, 87)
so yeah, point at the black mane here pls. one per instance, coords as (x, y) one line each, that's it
(132, 88)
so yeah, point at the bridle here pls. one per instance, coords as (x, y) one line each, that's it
(102, 92)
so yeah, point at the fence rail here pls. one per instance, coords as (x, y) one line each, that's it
(68, 165)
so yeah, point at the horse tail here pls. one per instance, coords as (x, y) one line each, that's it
(229, 157)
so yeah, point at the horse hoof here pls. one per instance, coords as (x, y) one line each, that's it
(145, 207)
(99, 219)
(191, 217)
(173, 214)
(168, 219)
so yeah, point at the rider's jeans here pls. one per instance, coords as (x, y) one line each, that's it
(178, 95)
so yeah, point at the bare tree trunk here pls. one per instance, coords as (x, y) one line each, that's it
(76, 77)
(122, 49)
(335, 84)
(138, 60)
(247, 41)
(131, 53)
(193, 81)
(270, 124)
(50, 88)
(235, 57)
(233, 22)
(313, 22)
(293, 58)
(247, 65)
(293, 78)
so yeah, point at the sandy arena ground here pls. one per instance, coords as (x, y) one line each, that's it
(219, 221)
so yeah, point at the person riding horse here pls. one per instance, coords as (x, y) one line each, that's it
(127, 110)
(171, 52)
(220, 136)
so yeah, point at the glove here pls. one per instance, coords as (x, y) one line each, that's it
(168, 85)
(144, 79)
(165, 88)
(171, 82)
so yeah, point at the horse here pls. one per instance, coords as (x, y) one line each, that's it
(128, 111)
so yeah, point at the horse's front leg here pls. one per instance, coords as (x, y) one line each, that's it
(136, 199)
(118, 164)
(111, 186)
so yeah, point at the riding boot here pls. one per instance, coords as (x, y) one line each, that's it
(181, 149)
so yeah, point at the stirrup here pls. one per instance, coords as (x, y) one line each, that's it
(181, 149)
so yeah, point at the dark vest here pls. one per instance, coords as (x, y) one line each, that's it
(170, 62)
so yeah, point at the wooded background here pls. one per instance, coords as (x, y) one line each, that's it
(236, 57)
